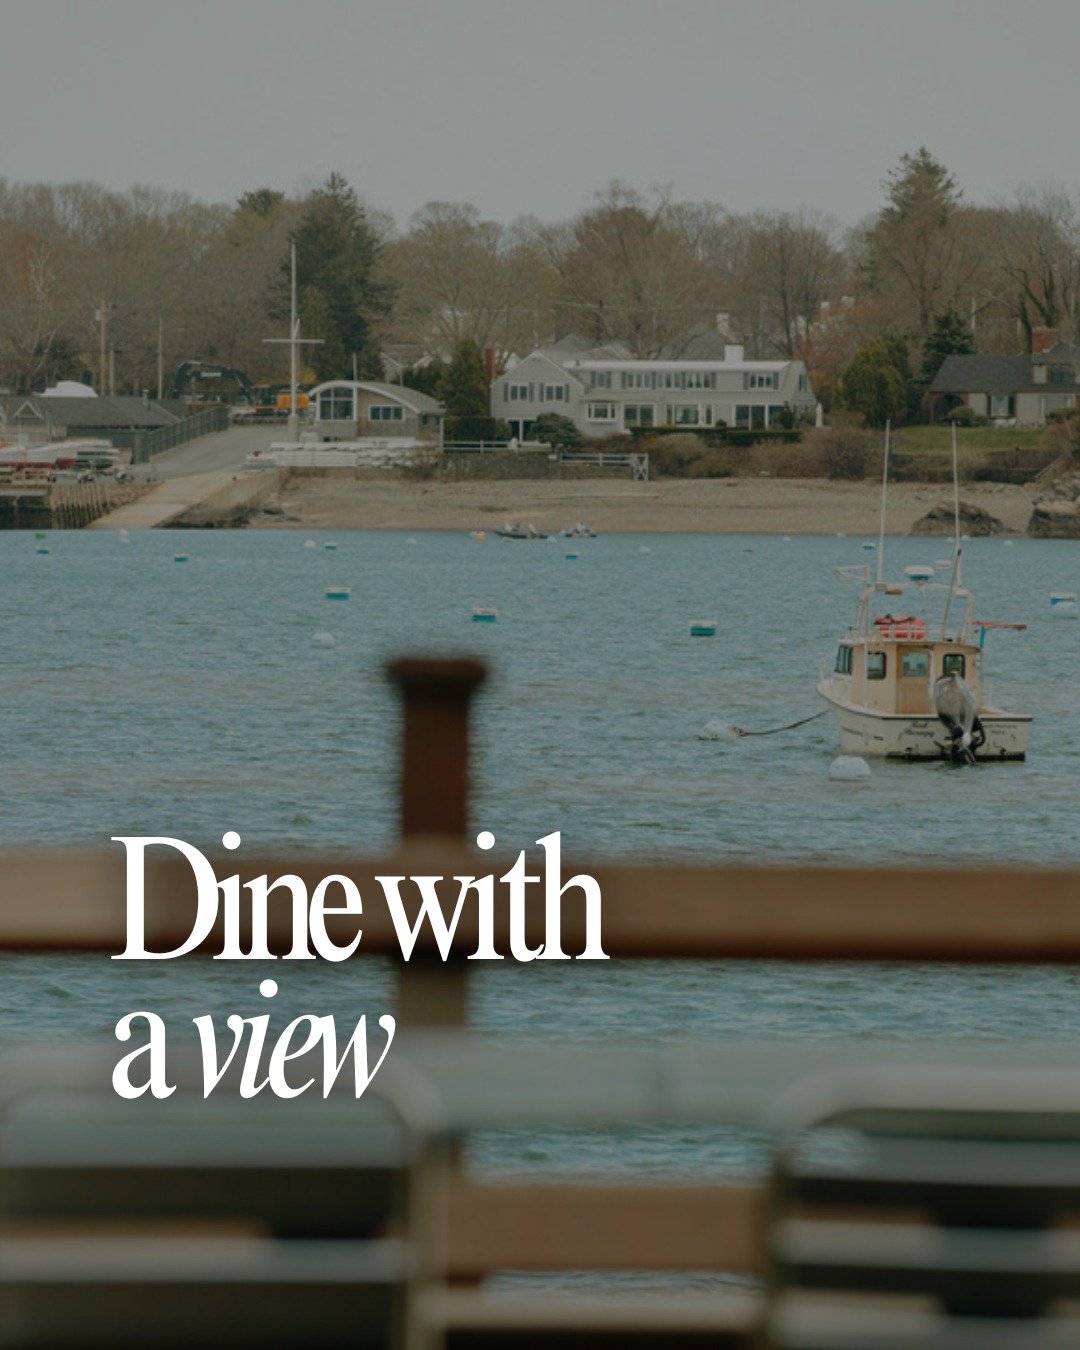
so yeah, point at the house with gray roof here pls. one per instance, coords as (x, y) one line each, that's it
(346, 410)
(39, 418)
(1010, 390)
(603, 391)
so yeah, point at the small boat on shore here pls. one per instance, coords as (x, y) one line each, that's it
(512, 530)
(908, 683)
(579, 530)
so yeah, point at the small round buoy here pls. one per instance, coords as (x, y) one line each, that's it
(181, 557)
(840, 534)
(644, 549)
(324, 640)
(310, 543)
(572, 557)
(1063, 605)
(484, 615)
(1007, 542)
(702, 627)
(918, 572)
(480, 536)
(338, 592)
(329, 546)
(870, 548)
(42, 548)
(717, 731)
(849, 769)
(787, 538)
(410, 541)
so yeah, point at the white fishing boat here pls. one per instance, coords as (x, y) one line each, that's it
(908, 680)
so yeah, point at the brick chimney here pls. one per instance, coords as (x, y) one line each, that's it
(489, 364)
(1042, 339)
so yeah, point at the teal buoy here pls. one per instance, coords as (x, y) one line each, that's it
(338, 592)
(180, 557)
(484, 615)
(702, 628)
(329, 547)
(42, 548)
(572, 557)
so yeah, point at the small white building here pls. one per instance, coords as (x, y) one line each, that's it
(602, 393)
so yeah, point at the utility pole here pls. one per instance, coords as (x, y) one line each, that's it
(295, 341)
(160, 358)
(102, 311)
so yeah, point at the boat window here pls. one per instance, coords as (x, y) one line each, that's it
(954, 663)
(875, 665)
(915, 664)
(843, 659)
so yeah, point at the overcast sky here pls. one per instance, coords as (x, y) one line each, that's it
(531, 106)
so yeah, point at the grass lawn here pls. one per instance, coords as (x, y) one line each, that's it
(939, 438)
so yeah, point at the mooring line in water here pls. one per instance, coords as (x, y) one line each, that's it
(741, 731)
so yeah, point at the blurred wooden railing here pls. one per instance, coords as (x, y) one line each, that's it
(76, 902)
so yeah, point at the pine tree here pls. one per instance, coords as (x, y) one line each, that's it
(463, 388)
(337, 256)
(878, 381)
(949, 336)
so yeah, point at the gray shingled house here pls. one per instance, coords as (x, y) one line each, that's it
(41, 418)
(1009, 390)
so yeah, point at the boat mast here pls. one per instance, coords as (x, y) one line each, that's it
(954, 579)
(884, 499)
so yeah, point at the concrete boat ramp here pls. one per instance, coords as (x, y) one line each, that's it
(202, 499)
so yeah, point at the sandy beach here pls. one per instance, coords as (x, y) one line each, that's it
(673, 506)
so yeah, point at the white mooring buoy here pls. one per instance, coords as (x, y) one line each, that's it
(848, 769)
(484, 615)
(702, 627)
(324, 640)
(338, 592)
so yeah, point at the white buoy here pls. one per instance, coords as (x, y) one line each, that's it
(1007, 542)
(310, 543)
(718, 731)
(181, 557)
(644, 549)
(410, 541)
(42, 548)
(840, 534)
(324, 640)
(849, 769)
(338, 592)
(918, 572)
(870, 548)
(787, 538)
(484, 615)
(1063, 605)
(329, 546)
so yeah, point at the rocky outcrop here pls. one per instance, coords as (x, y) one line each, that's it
(1056, 511)
(973, 521)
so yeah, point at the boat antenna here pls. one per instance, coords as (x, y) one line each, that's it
(884, 499)
(954, 579)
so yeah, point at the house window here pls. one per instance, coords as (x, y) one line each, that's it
(637, 379)
(554, 393)
(698, 379)
(1060, 375)
(742, 416)
(875, 665)
(804, 384)
(517, 393)
(639, 415)
(1001, 405)
(757, 379)
(336, 405)
(386, 412)
(682, 415)
(601, 379)
(601, 412)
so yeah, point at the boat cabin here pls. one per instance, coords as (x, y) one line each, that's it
(893, 669)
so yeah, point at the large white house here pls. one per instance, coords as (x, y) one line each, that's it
(603, 393)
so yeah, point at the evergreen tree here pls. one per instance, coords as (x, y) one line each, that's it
(463, 388)
(878, 382)
(949, 336)
(337, 256)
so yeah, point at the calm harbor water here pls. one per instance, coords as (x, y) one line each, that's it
(147, 696)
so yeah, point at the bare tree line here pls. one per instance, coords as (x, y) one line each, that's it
(177, 278)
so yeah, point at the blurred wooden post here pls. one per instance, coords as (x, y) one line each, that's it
(436, 694)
